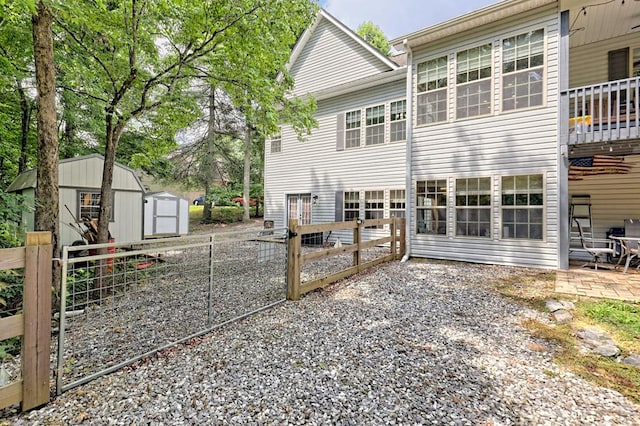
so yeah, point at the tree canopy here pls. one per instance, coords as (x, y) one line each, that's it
(373, 35)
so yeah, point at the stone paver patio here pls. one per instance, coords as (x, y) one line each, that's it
(605, 283)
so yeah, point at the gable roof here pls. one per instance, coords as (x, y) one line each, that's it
(28, 179)
(323, 14)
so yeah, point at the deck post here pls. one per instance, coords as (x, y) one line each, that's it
(293, 263)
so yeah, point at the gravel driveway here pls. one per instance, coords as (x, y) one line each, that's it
(413, 343)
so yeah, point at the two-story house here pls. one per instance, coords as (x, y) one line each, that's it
(497, 119)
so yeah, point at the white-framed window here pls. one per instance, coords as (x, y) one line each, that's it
(398, 120)
(523, 70)
(431, 206)
(473, 207)
(374, 206)
(352, 129)
(473, 82)
(523, 207)
(351, 205)
(276, 143)
(89, 205)
(374, 124)
(432, 91)
(397, 203)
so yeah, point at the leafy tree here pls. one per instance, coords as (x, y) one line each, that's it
(137, 59)
(373, 35)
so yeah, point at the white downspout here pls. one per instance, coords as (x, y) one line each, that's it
(408, 159)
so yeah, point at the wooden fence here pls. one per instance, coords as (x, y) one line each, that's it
(296, 288)
(33, 324)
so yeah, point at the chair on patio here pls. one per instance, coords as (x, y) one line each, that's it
(589, 245)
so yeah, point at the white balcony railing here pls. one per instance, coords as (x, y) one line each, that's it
(604, 112)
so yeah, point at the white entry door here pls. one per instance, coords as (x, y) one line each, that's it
(299, 207)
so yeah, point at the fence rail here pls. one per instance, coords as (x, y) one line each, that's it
(297, 258)
(33, 324)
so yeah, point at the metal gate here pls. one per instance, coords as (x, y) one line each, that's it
(142, 297)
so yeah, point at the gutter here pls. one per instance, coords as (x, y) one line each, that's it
(408, 154)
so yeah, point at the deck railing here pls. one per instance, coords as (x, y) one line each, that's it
(604, 112)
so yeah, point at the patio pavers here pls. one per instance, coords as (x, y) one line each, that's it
(603, 283)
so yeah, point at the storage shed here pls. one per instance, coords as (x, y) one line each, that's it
(165, 215)
(79, 181)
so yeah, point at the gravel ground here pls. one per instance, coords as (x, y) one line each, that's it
(413, 343)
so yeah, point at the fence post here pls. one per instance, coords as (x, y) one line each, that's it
(403, 237)
(394, 240)
(357, 240)
(36, 341)
(293, 261)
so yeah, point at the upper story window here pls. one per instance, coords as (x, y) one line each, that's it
(352, 126)
(374, 125)
(276, 143)
(398, 120)
(351, 205)
(523, 70)
(522, 207)
(473, 82)
(431, 207)
(432, 91)
(473, 207)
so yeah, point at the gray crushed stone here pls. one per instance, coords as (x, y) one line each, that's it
(413, 343)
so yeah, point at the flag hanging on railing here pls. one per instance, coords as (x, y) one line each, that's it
(597, 165)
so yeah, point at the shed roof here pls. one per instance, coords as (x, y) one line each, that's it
(29, 178)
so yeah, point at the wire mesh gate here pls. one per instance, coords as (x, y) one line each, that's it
(142, 297)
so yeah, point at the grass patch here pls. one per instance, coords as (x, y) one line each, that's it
(620, 319)
(224, 214)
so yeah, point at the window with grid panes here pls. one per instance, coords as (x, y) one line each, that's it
(431, 102)
(276, 143)
(89, 205)
(374, 125)
(473, 207)
(374, 206)
(522, 207)
(523, 70)
(351, 205)
(398, 120)
(473, 82)
(397, 203)
(352, 132)
(431, 207)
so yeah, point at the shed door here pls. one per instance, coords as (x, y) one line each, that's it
(166, 214)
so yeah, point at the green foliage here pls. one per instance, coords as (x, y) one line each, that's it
(373, 35)
(11, 207)
(622, 315)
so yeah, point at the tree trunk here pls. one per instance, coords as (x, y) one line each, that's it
(111, 144)
(47, 199)
(209, 159)
(246, 216)
(25, 112)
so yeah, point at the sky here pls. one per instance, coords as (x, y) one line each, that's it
(399, 17)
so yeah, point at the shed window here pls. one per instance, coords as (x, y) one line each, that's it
(89, 205)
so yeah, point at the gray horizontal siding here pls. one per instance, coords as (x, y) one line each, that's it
(522, 142)
(331, 57)
(315, 166)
